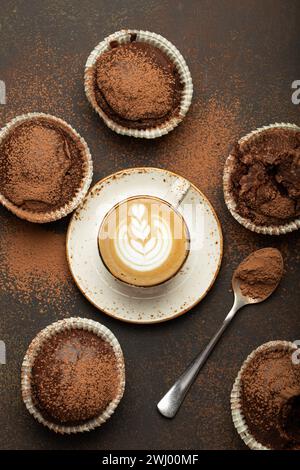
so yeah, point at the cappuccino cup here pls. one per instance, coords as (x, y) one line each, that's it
(143, 241)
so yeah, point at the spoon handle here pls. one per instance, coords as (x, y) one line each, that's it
(170, 403)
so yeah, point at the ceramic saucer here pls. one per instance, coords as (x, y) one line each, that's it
(150, 304)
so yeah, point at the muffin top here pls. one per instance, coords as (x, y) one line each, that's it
(137, 85)
(270, 394)
(75, 376)
(41, 165)
(265, 180)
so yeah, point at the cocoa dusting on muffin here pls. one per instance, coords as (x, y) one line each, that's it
(137, 85)
(265, 180)
(260, 273)
(270, 397)
(41, 166)
(75, 376)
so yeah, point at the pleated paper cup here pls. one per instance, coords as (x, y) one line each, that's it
(238, 417)
(229, 198)
(32, 353)
(123, 37)
(70, 206)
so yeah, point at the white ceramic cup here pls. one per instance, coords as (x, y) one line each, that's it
(144, 240)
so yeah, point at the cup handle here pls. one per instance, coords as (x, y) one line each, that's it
(177, 192)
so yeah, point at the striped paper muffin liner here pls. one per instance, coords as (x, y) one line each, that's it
(229, 198)
(70, 206)
(123, 37)
(237, 414)
(32, 353)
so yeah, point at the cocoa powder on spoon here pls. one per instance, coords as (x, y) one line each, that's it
(260, 272)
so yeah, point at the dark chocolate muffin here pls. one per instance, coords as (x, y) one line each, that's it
(75, 377)
(270, 398)
(265, 178)
(41, 165)
(137, 85)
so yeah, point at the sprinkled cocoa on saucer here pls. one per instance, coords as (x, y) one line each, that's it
(269, 398)
(45, 167)
(73, 375)
(265, 177)
(139, 83)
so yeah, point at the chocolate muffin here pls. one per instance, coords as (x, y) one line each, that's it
(75, 376)
(137, 85)
(42, 164)
(265, 177)
(270, 398)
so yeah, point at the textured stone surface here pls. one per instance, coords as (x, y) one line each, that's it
(242, 65)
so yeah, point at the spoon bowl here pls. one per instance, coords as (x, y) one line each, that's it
(245, 299)
(270, 287)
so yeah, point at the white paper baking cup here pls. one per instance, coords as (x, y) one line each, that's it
(229, 199)
(171, 51)
(32, 352)
(238, 418)
(43, 217)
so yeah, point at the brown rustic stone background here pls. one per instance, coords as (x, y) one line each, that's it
(243, 57)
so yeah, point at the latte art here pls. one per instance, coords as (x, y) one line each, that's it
(143, 241)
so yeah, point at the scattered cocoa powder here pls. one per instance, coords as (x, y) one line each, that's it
(33, 264)
(260, 273)
(36, 81)
(197, 149)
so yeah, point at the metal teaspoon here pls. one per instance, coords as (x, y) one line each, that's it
(170, 403)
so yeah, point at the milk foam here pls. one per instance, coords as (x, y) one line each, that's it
(143, 244)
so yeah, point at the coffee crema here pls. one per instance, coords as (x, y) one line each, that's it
(143, 241)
